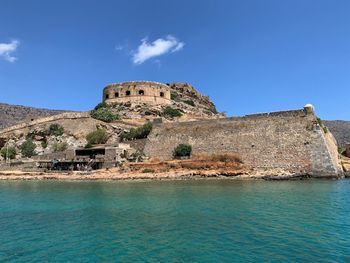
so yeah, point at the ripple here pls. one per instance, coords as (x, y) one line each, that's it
(196, 221)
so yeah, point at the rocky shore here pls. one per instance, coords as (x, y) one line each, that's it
(116, 174)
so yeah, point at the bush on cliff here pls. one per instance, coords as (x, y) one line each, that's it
(28, 148)
(190, 102)
(320, 122)
(60, 147)
(183, 150)
(55, 130)
(99, 136)
(138, 133)
(8, 152)
(104, 114)
(171, 112)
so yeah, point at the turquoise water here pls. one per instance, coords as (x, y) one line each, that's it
(175, 221)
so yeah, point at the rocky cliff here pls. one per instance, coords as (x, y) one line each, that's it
(340, 130)
(13, 114)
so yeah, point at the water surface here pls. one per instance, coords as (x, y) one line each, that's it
(175, 221)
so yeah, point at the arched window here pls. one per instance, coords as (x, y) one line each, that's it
(141, 92)
(161, 94)
(107, 96)
(127, 93)
(116, 94)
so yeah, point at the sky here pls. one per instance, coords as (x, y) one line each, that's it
(248, 56)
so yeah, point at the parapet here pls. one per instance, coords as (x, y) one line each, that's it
(137, 91)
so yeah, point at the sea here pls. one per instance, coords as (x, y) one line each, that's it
(175, 221)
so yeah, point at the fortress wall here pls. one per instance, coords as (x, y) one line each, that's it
(290, 140)
(77, 124)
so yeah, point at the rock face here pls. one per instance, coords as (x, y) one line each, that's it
(340, 130)
(13, 114)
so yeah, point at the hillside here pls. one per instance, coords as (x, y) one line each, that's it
(340, 130)
(13, 114)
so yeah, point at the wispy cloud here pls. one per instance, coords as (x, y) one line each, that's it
(156, 48)
(7, 49)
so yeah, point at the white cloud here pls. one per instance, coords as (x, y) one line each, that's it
(6, 50)
(156, 48)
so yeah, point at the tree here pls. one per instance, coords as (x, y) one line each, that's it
(60, 147)
(169, 111)
(99, 136)
(55, 129)
(138, 133)
(183, 150)
(28, 148)
(104, 114)
(8, 152)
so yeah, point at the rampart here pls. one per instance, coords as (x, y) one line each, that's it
(137, 91)
(288, 140)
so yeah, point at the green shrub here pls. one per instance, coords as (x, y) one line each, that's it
(8, 152)
(104, 114)
(138, 133)
(174, 96)
(183, 150)
(101, 105)
(88, 145)
(169, 111)
(44, 144)
(55, 130)
(189, 102)
(28, 148)
(148, 170)
(60, 147)
(320, 122)
(99, 136)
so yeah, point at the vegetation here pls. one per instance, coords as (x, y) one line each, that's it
(213, 108)
(88, 145)
(44, 144)
(55, 130)
(183, 150)
(320, 122)
(138, 133)
(60, 147)
(189, 102)
(28, 148)
(101, 105)
(8, 152)
(99, 136)
(171, 112)
(341, 150)
(104, 113)
(174, 96)
(148, 170)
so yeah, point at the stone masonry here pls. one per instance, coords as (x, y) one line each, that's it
(289, 140)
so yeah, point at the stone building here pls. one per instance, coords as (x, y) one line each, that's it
(137, 91)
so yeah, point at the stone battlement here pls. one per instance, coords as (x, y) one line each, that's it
(137, 91)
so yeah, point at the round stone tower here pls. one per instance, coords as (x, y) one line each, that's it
(137, 91)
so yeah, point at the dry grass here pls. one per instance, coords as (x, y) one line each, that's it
(197, 162)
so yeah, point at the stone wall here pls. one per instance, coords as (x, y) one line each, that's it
(289, 140)
(137, 91)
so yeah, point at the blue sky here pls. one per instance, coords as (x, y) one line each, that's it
(248, 56)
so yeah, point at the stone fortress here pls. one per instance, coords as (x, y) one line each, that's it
(137, 91)
(292, 141)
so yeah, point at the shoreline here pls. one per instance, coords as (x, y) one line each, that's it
(116, 175)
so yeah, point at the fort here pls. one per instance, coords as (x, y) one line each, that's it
(289, 140)
(292, 142)
(137, 91)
